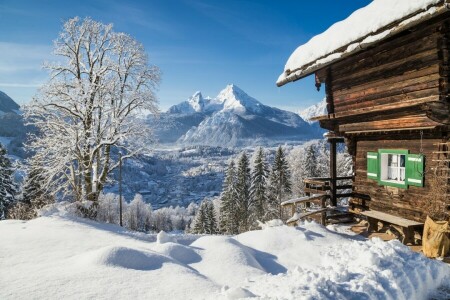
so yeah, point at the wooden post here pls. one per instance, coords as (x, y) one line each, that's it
(308, 186)
(333, 172)
(120, 189)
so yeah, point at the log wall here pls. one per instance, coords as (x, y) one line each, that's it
(382, 98)
(402, 82)
(401, 69)
(408, 203)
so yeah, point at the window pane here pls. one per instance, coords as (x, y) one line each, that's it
(402, 161)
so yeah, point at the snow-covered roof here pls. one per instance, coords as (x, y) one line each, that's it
(364, 27)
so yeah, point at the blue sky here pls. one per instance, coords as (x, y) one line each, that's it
(198, 45)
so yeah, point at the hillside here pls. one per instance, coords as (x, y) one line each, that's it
(12, 128)
(73, 258)
(7, 105)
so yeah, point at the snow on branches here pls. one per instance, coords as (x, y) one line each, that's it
(87, 111)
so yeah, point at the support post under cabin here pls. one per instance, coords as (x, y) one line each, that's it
(333, 175)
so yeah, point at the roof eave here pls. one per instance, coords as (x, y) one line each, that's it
(399, 26)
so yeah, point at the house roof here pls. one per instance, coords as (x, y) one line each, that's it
(366, 26)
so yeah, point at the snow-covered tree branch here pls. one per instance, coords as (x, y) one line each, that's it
(88, 109)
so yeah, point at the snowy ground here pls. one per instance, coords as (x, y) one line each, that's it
(62, 257)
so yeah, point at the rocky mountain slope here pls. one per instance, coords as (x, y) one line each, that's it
(232, 118)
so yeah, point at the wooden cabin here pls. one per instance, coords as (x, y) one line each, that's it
(387, 94)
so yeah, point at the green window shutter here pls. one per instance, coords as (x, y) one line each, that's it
(414, 169)
(372, 165)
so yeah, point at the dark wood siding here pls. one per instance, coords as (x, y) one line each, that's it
(382, 98)
(408, 203)
(400, 83)
(405, 68)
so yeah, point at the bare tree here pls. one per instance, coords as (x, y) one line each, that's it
(87, 110)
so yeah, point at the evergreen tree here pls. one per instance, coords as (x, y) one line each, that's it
(201, 219)
(258, 189)
(272, 210)
(310, 162)
(33, 193)
(244, 201)
(211, 219)
(8, 188)
(280, 181)
(229, 222)
(205, 219)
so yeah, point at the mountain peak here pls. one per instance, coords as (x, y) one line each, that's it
(197, 101)
(315, 110)
(235, 99)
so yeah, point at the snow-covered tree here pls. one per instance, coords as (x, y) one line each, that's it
(310, 161)
(211, 219)
(244, 202)
(33, 193)
(313, 160)
(108, 208)
(205, 221)
(32, 197)
(229, 222)
(138, 214)
(344, 163)
(280, 182)
(8, 188)
(258, 189)
(87, 110)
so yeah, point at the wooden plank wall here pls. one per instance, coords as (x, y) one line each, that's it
(407, 203)
(407, 67)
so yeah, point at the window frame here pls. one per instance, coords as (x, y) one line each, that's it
(381, 152)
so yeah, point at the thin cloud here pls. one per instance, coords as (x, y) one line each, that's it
(17, 57)
(21, 85)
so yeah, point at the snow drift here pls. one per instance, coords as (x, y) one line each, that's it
(59, 256)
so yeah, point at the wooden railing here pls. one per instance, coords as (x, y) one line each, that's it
(321, 185)
(317, 192)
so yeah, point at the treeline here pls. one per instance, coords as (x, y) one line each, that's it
(252, 191)
(21, 202)
(139, 216)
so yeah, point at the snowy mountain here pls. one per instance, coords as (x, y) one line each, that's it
(232, 118)
(196, 103)
(7, 105)
(315, 110)
(12, 129)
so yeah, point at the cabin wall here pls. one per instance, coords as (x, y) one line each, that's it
(387, 85)
(408, 203)
(406, 67)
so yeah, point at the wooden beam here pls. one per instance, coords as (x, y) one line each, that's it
(333, 172)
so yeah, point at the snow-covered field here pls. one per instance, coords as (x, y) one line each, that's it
(63, 257)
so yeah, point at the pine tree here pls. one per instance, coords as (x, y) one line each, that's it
(229, 223)
(8, 188)
(272, 210)
(244, 201)
(33, 193)
(201, 219)
(258, 189)
(211, 219)
(310, 162)
(280, 181)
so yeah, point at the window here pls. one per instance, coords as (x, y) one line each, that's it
(395, 167)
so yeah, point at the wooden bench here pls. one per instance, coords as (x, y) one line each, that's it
(406, 225)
